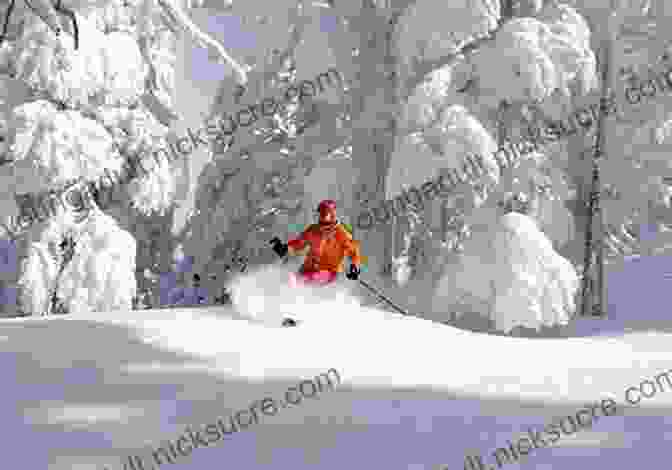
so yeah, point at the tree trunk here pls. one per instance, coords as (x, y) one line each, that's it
(374, 133)
(507, 9)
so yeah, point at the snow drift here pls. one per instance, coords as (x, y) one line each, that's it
(511, 275)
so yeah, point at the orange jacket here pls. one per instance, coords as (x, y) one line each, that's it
(325, 249)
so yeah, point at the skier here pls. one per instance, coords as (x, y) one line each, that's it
(325, 244)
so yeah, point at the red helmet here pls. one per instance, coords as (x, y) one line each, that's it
(327, 211)
(327, 205)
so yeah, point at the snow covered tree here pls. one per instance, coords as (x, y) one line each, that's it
(87, 98)
(511, 275)
(506, 64)
(495, 67)
(535, 71)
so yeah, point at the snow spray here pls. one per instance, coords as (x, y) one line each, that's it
(265, 295)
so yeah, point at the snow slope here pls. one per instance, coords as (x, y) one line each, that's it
(85, 391)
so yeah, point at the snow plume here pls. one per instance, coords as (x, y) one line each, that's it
(101, 275)
(63, 145)
(265, 295)
(511, 274)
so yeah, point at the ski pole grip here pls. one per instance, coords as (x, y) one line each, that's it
(280, 248)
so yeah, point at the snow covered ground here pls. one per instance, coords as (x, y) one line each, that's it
(85, 391)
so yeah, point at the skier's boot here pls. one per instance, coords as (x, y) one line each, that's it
(288, 322)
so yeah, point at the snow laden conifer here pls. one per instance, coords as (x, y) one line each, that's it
(504, 68)
(96, 97)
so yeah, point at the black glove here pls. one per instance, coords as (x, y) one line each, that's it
(280, 248)
(353, 273)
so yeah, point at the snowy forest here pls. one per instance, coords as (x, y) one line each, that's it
(89, 84)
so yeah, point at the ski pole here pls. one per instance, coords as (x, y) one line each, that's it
(382, 297)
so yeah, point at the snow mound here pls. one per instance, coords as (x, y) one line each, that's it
(512, 275)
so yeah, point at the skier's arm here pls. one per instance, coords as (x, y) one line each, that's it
(298, 245)
(352, 249)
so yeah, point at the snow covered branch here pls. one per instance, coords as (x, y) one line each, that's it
(179, 17)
